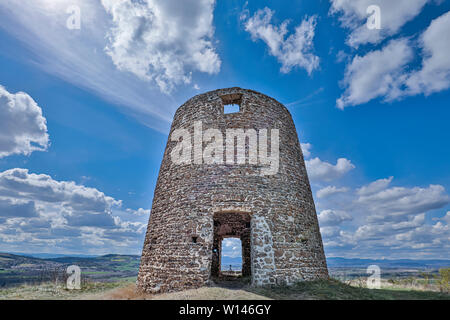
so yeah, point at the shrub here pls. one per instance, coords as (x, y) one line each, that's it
(443, 280)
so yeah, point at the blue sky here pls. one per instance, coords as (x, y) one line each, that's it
(85, 113)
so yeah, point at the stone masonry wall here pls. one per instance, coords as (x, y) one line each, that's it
(285, 241)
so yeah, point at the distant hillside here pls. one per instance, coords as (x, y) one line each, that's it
(386, 263)
(364, 263)
(8, 261)
(16, 269)
(52, 255)
(233, 261)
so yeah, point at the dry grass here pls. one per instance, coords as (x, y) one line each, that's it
(205, 293)
(126, 290)
(52, 291)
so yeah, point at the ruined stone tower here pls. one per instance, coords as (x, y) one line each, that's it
(258, 194)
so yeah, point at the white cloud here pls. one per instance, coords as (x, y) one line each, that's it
(319, 170)
(232, 247)
(391, 204)
(379, 73)
(23, 129)
(394, 14)
(374, 187)
(294, 51)
(19, 184)
(329, 232)
(140, 212)
(40, 213)
(446, 218)
(388, 220)
(387, 74)
(17, 208)
(79, 57)
(330, 190)
(384, 230)
(333, 217)
(434, 76)
(162, 41)
(306, 149)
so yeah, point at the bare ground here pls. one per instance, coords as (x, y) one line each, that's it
(205, 293)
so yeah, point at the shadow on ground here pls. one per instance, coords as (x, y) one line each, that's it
(336, 290)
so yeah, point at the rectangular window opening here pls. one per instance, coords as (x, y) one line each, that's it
(231, 108)
(231, 103)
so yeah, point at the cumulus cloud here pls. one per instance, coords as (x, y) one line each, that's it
(328, 233)
(17, 208)
(374, 187)
(333, 217)
(394, 14)
(389, 220)
(306, 149)
(434, 75)
(319, 170)
(19, 183)
(139, 212)
(330, 190)
(294, 51)
(39, 212)
(379, 218)
(391, 204)
(231, 247)
(23, 128)
(162, 41)
(383, 230)
(379, 73)
(446, 218)
(387, 73)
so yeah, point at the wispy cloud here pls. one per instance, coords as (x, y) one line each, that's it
(79, 57)
(308, 100)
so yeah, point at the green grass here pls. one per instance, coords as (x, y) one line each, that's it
(336, 290)
(126, 279)
(96, 272)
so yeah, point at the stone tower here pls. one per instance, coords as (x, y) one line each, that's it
(238, 175)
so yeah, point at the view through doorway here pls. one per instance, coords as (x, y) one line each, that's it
(231, 256)
(231, 246)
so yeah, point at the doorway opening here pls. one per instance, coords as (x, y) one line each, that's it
(227, 227)
(231, 257)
